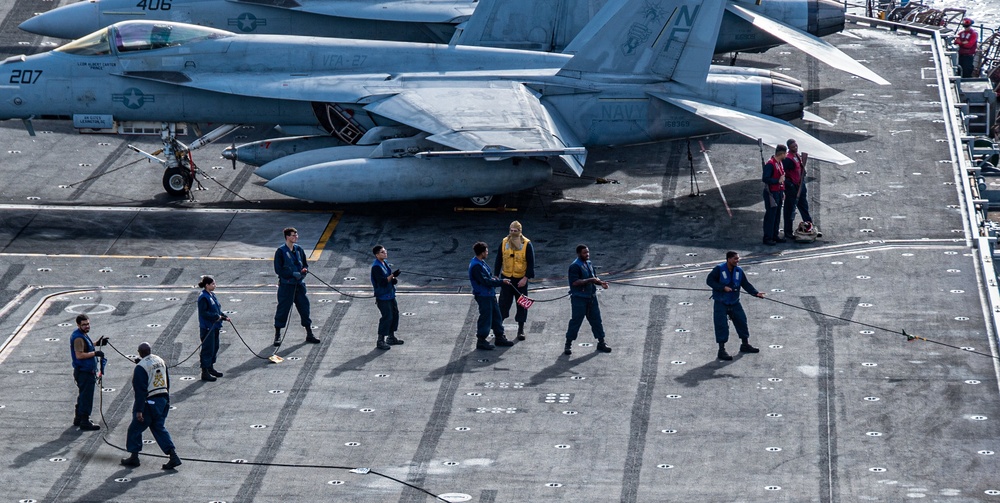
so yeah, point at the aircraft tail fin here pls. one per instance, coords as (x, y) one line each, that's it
(666, 39)
(538, 25)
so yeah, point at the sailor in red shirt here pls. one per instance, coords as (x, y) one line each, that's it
(774, 194)
(795, 186)
(967, 42)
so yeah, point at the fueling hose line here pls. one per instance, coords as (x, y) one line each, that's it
(108, 172)
(909, 338)
(362, 471)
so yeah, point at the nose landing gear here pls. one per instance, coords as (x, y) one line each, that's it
(179, 167)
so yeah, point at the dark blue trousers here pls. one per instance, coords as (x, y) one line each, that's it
(507, 298)
(489, 317)
(967, 62)
(85, 382)
(389, 322)
(584, 308)
(733, 312)
(154, 414)
(772, 214)
(209, 346)
(794, 198)
(287, 294)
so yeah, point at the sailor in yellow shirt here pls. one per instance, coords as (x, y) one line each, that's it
(515, 261)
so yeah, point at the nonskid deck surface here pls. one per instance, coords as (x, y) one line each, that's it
(828, 411)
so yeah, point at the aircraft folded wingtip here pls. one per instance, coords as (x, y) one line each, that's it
(770, 130)
(809, 44)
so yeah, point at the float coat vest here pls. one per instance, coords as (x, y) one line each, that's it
(515, 262)
(778, 172)
(156, 371)
(731, 279)
(87, 364)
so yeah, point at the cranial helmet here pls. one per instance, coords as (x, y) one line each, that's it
(967, 22)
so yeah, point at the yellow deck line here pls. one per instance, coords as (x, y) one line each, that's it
(317, 252)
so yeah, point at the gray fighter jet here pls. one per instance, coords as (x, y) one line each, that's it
(547, 25)
(401, 20)
(418, 121)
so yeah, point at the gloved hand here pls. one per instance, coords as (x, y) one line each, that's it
(102, 341)
(99, 354)
(137, 360)
(395, 274)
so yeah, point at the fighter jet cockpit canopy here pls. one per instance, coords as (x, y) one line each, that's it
(130, 36)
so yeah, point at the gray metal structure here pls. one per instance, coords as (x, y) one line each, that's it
(420, 121)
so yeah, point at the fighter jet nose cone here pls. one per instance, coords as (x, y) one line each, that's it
(69, 21)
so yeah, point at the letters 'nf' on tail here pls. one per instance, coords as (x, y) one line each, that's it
(664, 39)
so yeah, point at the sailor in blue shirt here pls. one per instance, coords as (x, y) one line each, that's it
(583, 283)
(384, 283)
(210, 320)
(726, 279)
(85, 371)
(291, 267)
(483, 289)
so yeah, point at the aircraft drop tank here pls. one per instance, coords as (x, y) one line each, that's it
(408, 178)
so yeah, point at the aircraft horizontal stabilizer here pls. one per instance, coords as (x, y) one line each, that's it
(811, 117)
(753, 125)
(809, 44)
(413, 11)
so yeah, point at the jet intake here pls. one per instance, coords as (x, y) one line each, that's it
(366, 180)
(826, 17)
(782, 99)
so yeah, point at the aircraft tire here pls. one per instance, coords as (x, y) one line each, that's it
(174, 181)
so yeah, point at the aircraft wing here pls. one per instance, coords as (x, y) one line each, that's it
(807, 43)
(770, 130)
(484, 121)
(412, 11)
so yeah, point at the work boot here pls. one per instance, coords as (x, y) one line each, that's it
(393, 341)
(132, 460)
(485, 345)
(381, 343)
(277, 336)
(207, 376)
(310, 338)
(747, 348)
(723, 355)
(216, 373)
(602, 347)
(87, 425)
(500, 340)
(520, 331)
(568, 350)
(174, 461)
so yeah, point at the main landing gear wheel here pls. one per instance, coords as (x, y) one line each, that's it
(175, 182)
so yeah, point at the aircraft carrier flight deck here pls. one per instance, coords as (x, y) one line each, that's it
(838, 406)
